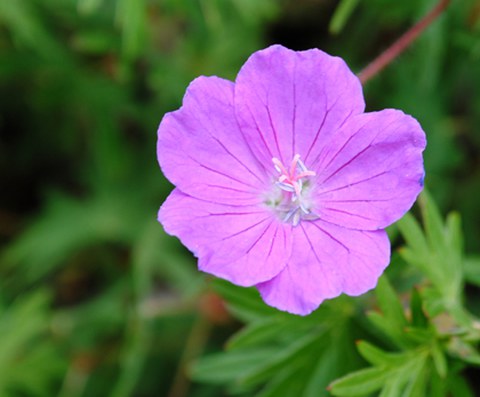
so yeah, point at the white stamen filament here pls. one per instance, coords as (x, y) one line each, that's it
(291, 181)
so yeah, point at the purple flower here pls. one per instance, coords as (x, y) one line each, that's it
(283, 182)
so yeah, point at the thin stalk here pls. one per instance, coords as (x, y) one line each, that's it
(392, 52)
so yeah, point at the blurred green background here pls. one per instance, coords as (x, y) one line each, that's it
(95, 300)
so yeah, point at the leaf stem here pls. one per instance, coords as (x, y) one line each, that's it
(392, 52)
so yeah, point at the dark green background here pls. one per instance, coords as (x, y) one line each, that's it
(95, 300)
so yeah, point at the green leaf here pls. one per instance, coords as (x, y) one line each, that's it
(343, 11)
(263, 330)
(333, 362)
(245, 303)
(360, 383)
(453, 233)
(25, 347)
(290, 381)
(226, 367)
(419, 335)
(389, 303)
(88, 6)
(439, 359)
(464, 351)
(439, 254)
(416, 380)
(393, 388)
(433, 223)
(295, 351)
(378, 357)
(472, 270)
(337, 358)
(400, 371)
(419, 319)
(393, 333)
(413, 235)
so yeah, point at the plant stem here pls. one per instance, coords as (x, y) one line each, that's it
(385, 58)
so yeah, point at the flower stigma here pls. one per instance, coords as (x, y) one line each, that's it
(291, 197)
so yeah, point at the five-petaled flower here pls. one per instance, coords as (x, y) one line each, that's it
(283, 182)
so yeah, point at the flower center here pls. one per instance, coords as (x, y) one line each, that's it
(291, 198)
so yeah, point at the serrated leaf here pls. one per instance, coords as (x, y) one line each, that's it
(402, 369)
(438, 254)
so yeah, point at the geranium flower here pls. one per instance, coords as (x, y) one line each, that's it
(283, 182)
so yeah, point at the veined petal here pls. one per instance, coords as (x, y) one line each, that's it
(243, 244)
(326, 261)
(201, 149)
(289, 102)
(371, 174)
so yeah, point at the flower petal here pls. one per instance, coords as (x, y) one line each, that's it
(326, 261)
(371, 174)
(288, 102)
(201, 149)
(243, 244)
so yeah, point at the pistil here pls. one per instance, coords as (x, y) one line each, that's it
(291, 181)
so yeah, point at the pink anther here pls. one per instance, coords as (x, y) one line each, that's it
(290, 179)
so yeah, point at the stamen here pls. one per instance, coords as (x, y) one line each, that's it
(304, 209)
(279, 166)
(289, 214)
(302, 165)
(293, 166)
(294, 208)
(285, 186)
(306, 173)
(296, 218)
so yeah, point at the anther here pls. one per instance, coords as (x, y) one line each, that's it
(290, 180)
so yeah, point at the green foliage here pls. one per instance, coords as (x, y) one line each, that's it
(417, 344)
(96, 300)
(344, 10)
(25, 345)
(280, 353)
(438, 325)
(84, 85)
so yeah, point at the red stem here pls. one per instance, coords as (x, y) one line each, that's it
(385, 58)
